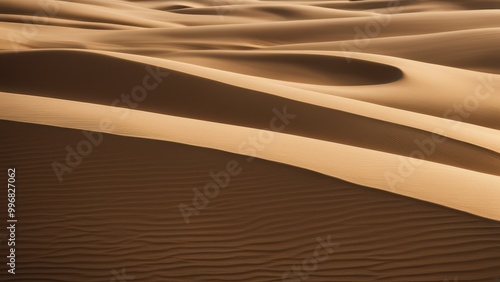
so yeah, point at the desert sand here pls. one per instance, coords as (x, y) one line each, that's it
(373, 122)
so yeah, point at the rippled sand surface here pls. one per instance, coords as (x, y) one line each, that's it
(239, 140)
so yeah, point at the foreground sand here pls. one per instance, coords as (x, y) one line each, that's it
(337, 100)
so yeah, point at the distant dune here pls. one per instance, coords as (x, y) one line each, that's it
(374, 123)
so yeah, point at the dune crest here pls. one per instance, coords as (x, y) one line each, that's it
(224, 140)
(329, 158)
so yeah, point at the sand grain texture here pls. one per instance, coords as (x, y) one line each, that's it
(377, 123)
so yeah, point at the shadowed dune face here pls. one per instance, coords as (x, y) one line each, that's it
(104, 80)
(175, 8)
(265, 222)
(311, 69)
(470, 49)
(366, 130)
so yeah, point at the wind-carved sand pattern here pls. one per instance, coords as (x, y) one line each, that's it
(374, 124)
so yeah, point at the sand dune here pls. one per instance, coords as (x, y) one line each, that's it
(470, 49)
(330, 158)
(375, 122)
(263, 223)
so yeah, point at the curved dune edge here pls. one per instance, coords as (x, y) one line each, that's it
(463, 131)
(464, 190)
(268, 216)
(101, 78)
(317, 69)
(471, 133)
(476, 51)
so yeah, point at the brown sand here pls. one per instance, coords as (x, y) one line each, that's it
(119, 209)
(363, 108)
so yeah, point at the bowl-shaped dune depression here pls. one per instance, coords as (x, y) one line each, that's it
(247, 140)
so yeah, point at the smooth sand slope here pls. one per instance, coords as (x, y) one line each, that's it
(374, 121)
(119, 209)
